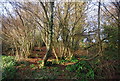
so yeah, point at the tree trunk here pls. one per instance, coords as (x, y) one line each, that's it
(49, 49)
(99, 39)
(56, 56)
(118, 28)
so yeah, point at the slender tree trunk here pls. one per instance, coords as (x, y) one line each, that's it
(49, 49)
(118, 28)
(99, 39)
(56, 56)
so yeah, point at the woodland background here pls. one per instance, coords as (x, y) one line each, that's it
(51, 40)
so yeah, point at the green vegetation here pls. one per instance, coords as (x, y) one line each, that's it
(8, 66)
(82, 69)
(60, 40)
(32, 65)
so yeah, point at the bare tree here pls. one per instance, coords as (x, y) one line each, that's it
(50, 20)
(99, 37)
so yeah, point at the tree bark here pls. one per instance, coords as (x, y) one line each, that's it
(99, 39)
(49, 49)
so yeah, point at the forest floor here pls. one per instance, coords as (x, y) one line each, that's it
(30, 69)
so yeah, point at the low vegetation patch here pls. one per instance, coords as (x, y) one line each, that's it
(82, 69)
(8, 66)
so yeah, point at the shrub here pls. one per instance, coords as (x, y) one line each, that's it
(83, 70)
(9, 67)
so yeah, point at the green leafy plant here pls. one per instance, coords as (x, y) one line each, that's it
(39, 61)
(62, 61)
(8, 66)
(73, 59)
(32, 65)
(83, 70)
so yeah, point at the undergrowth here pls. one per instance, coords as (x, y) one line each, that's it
(82, 69)
(8, 67)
